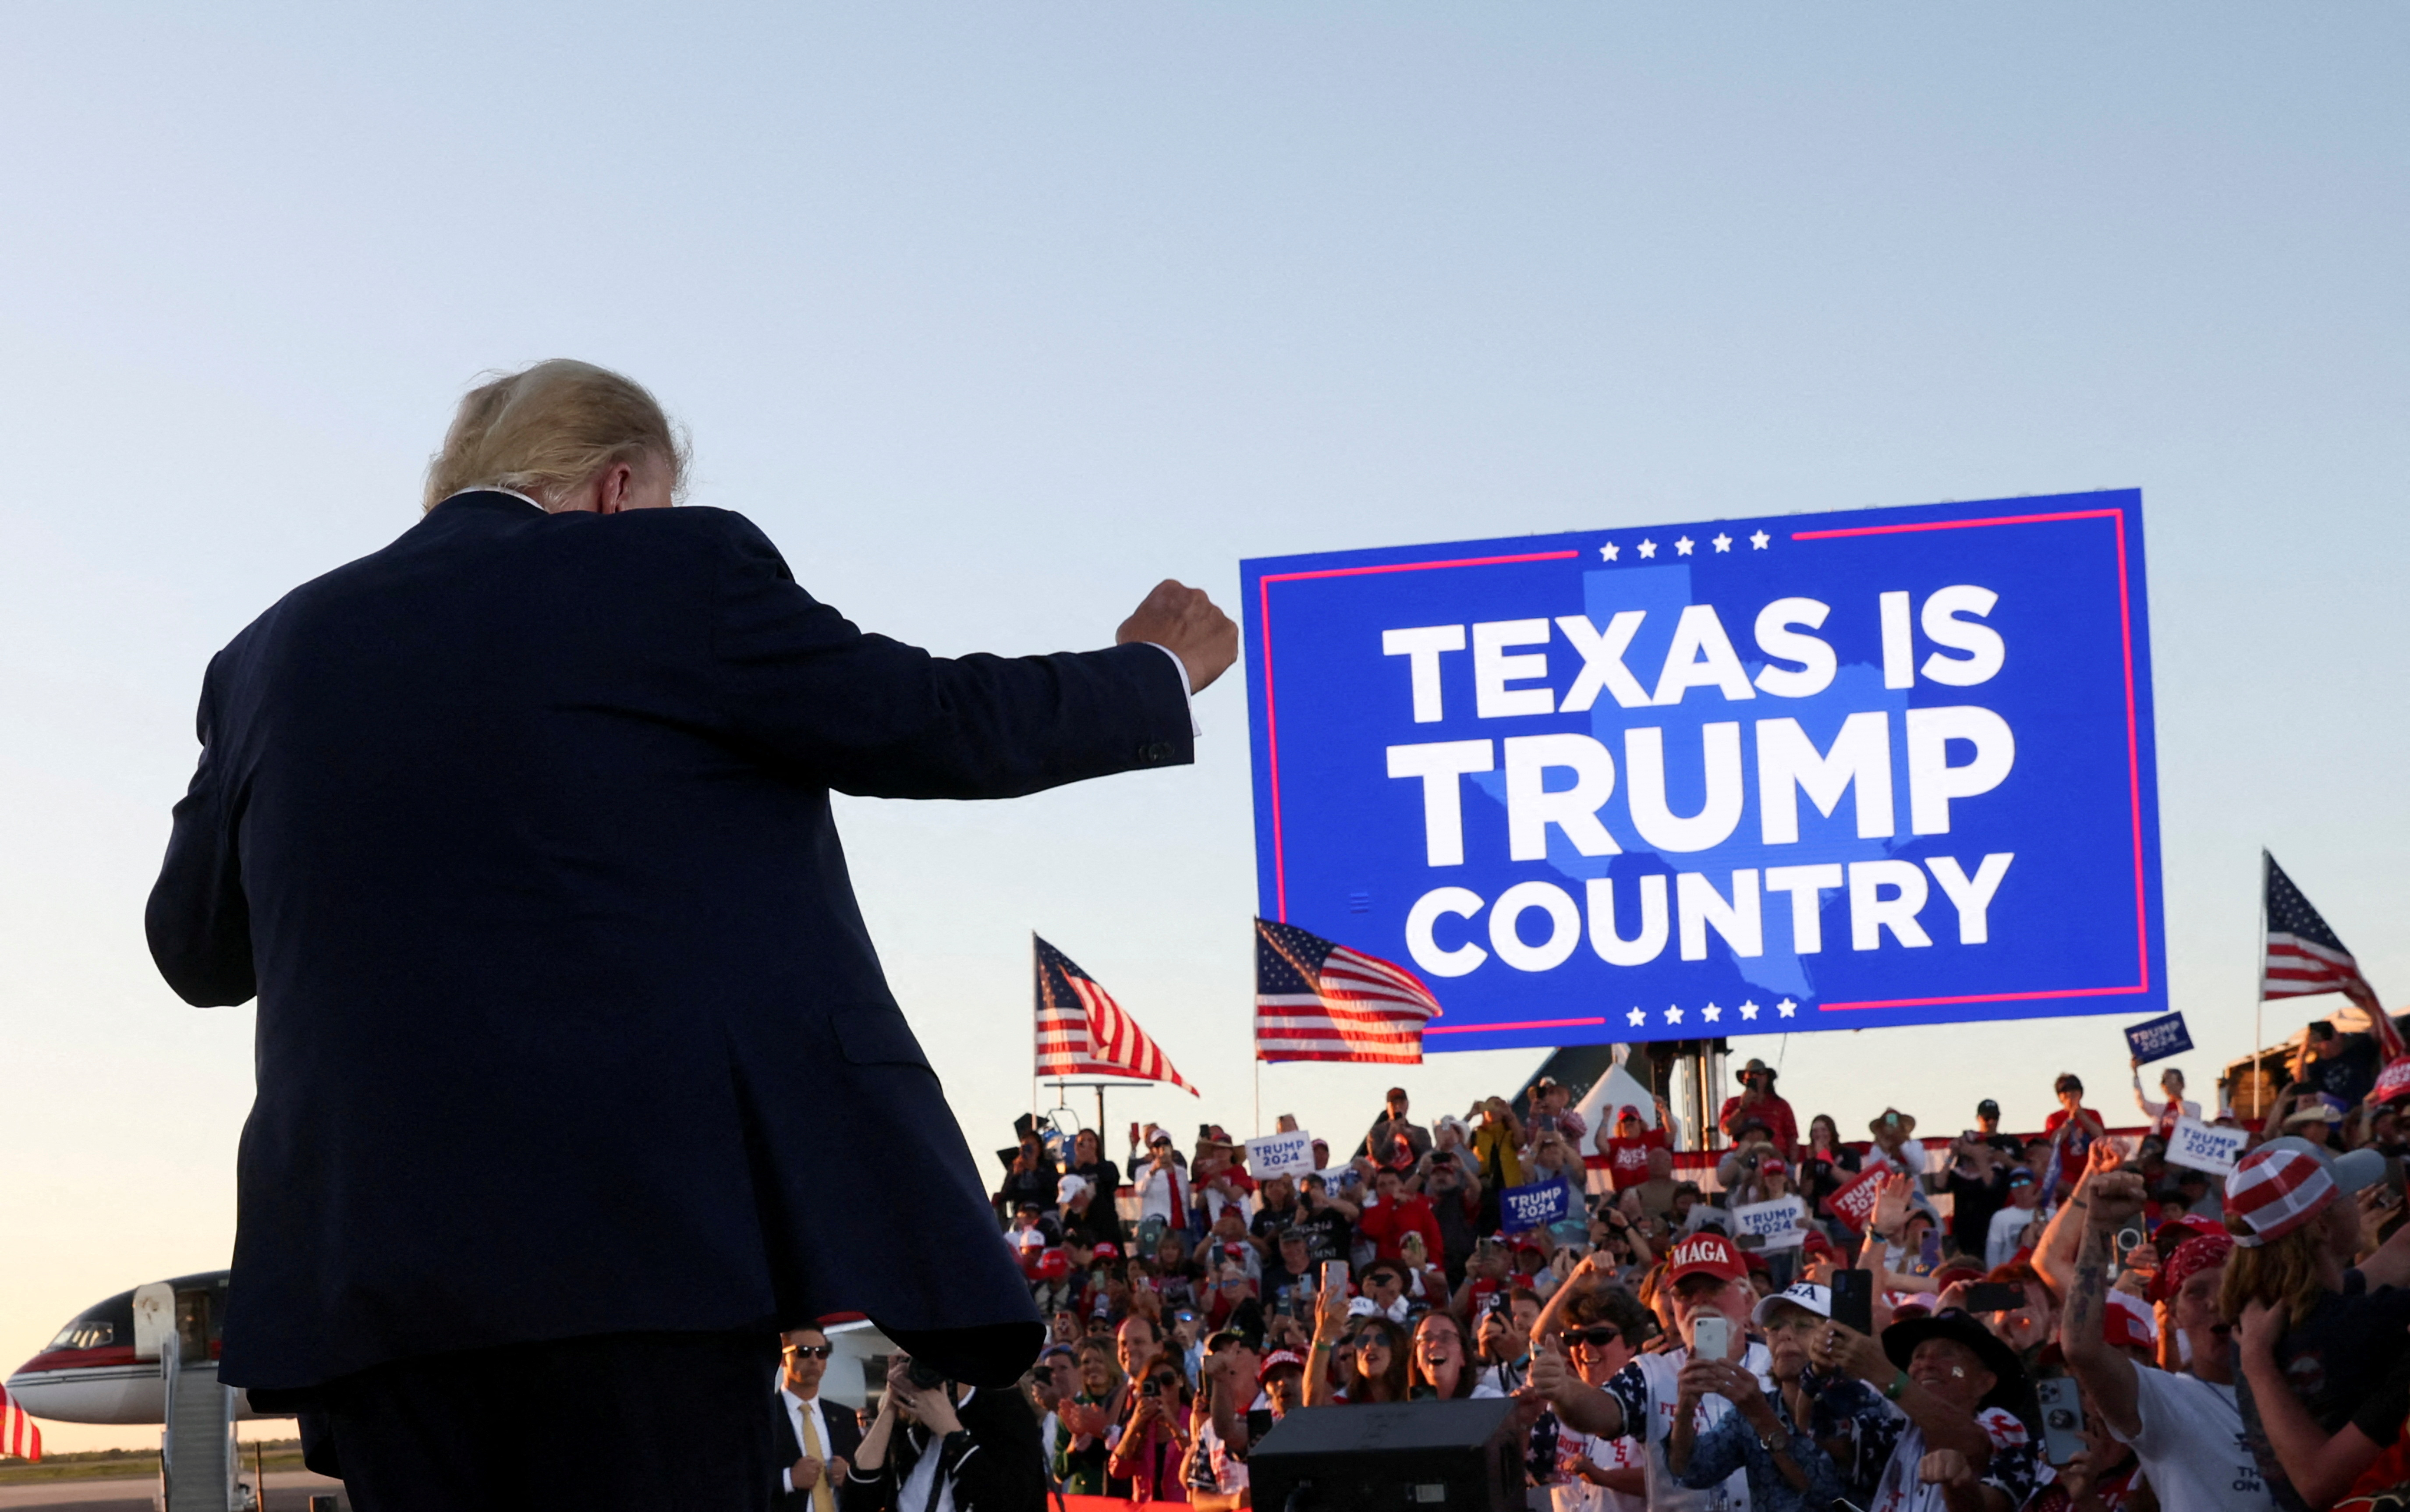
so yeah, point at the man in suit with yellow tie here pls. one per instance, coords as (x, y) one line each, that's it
(815, 1443)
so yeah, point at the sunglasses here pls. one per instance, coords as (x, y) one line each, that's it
(809, 1351)
(1597, 1337)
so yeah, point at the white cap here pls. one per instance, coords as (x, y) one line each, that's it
(1815, 1299)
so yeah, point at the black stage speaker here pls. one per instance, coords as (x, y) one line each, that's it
(1461, 1456)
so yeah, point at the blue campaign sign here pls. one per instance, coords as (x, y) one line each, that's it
(1522, 1208)
(2158, 1038)
(1806, 772)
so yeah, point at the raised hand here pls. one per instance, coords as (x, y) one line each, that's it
(1551, 1376)
(2114, 1197)
(1891, 1202)
(1184, 622)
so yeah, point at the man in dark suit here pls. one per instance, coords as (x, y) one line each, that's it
(519, 831)
(815, 1441)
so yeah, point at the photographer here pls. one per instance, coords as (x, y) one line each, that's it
(1452, 1188)
(933, 1439)
(1759, 1101)
(1155, 1436)
(1328, 1222)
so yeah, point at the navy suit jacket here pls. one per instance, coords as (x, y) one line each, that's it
(519, 831)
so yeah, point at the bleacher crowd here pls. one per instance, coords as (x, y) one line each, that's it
(1792, 1320)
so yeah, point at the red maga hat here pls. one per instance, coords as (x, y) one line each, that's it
(1705, 1252)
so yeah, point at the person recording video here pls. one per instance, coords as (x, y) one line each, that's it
(939, 1443)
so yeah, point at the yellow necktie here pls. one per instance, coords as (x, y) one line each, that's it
(823, 1499)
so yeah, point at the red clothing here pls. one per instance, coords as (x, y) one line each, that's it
(1626, 1160)
(1385, 1223)
(1773, 1113)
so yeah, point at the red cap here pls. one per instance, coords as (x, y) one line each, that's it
(1107, 1250)
(1052, 1265)
(2127, 1324)
(1278, 1360)
(1705, 1252)
(1771, 1167)
(2391, 1083)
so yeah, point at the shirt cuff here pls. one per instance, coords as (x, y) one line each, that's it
(1187, 694)
(787, 1480)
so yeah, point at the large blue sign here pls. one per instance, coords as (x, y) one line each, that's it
(1761, 776)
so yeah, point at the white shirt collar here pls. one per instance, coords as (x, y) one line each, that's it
(487, 487)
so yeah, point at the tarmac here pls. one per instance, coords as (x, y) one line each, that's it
(288, 1491)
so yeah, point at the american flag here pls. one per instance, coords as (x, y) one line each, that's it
(1082, 1032)
(1316, 999)
(17, 1433)
(2304, 957)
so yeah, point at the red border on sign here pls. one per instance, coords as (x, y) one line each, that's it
(1271, 721)
(2133, 761)
(2133, 748)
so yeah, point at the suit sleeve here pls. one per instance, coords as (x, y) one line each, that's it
(199, 920)
(1005, 1469)
(870, 716)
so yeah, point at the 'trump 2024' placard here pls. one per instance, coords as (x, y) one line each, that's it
(1806, 772)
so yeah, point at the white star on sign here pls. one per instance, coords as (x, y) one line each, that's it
(1673, 1016)
(1724, 542)
(1759, 540)
(1712, 1013)
(1606, 552)
(1647, 547)
(1749, 1010)
(1682, 547)
(1638, 1017)
(1786, 1008)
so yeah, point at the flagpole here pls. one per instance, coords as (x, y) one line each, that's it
(2259, 991)
(1259, 1097)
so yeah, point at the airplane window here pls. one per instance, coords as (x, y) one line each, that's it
(86, 1334)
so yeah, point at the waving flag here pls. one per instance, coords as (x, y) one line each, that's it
(1318, 1000)
(2303, 956)
(1082, 1032)
(17, 1433)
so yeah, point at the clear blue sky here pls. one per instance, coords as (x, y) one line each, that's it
(991, 316)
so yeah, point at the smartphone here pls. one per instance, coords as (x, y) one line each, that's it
(2126, 1238)
(1854, 1299)
(1994, 1297)
(1710, 1336)
(2062, 1418)
(1334, 1275)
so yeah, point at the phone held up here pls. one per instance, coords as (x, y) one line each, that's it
(1710, 1336)
(2062, 1418)
(1854, 1299)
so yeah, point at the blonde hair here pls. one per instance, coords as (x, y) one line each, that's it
(547, 428)
(2281, 1269)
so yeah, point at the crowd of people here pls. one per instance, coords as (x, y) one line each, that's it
(2067, 1320)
